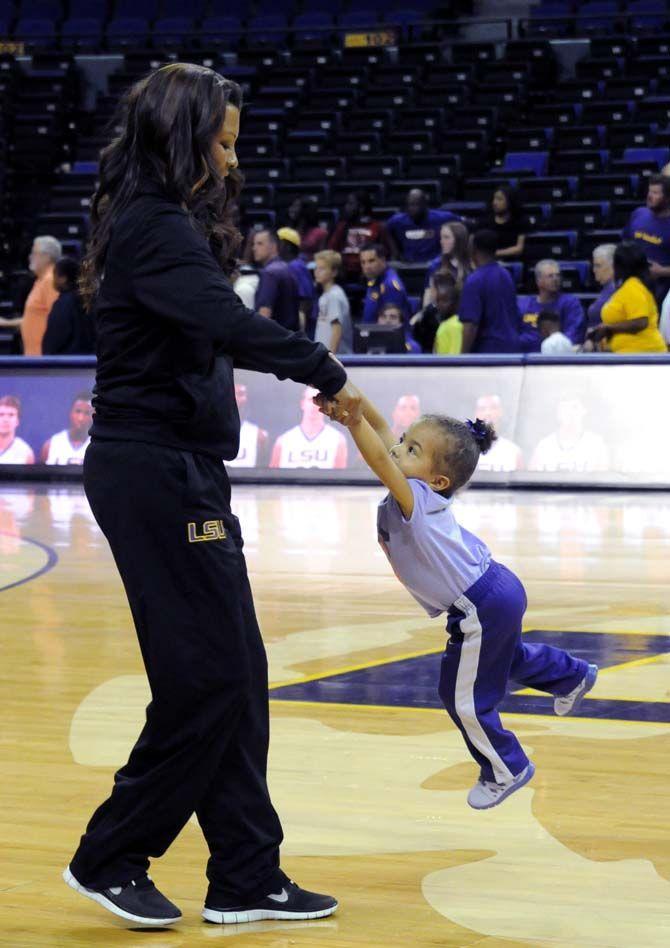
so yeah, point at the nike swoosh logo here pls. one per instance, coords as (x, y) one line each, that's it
(279, 897)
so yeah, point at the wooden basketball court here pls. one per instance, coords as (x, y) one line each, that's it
(367, 772)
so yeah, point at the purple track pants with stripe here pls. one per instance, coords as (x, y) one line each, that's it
(484, 651)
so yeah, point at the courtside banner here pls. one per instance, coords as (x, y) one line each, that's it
(589, 421)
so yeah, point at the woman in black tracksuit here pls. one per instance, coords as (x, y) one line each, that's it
(170, 330)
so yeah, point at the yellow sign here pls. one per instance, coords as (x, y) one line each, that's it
(12, 49)
(378, 38)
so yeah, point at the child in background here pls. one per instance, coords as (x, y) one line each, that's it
(333, 326)
(554, 342)
(447, 569)
(436, 328)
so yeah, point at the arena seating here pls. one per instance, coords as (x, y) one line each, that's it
(455, 118)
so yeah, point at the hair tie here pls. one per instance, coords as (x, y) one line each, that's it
(478, 429)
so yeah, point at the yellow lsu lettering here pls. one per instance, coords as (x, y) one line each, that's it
(211, 530)
(648, 238)
(530, 318)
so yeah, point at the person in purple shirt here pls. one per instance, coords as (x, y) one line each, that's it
(277, 293)
(488, 307)
(566, 306)
(415, 233)
(649, 226)
(384, 284)
(289, 251)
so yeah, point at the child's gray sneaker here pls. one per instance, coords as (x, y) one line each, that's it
(488, 793)
(568, 704)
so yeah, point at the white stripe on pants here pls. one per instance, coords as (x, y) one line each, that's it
(466, 676)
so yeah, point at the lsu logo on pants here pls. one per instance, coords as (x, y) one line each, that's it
(211, 530)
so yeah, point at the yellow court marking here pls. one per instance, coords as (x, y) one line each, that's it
(536, 718)
(633, 663)
(345, 669)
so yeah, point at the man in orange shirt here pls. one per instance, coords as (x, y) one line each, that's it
(45, 251)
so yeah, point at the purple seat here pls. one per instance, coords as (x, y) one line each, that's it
(597, 16)
(128, 31)
(37, 32)
(359, 19)
(267, 30)
(647, 14)
(78, 31)
(224, 31)
(659, 155)
(313, 26)
(174, 29)
(40, 10)
(535, 161)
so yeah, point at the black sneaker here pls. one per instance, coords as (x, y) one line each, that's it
(139, 901)
(290, 902)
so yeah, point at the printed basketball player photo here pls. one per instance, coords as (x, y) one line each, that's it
(69, 445)
(312, 443)
(253, 439)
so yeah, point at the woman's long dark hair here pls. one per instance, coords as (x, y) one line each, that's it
(168, 122)
(630, 260)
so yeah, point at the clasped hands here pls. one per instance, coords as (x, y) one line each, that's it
(344, 407)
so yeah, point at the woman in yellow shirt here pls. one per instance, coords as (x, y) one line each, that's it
(630, 316)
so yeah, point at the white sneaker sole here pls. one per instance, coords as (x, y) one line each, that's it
(261, 915)
(106, 903)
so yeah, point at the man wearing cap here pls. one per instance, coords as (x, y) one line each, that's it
(277, 294)
(384, 284)
(289, 251)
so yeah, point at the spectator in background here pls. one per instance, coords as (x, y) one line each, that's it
(355, 229)
(383, 284)
(630, 316)
(603, 271)
(649, 226)
(333, 327)
(571, 448)
(289, 251)
(43, 255)
(488, 307)
(454, 258)
(549, 296)
(416, 232)
(69, 445)
(554, 342)
(277, 293)
(507, 220)
(391, 314)
(70, 329)
(437, 328)
(13, 450)
(303, 216)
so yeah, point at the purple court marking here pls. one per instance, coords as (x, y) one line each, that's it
(52, 559)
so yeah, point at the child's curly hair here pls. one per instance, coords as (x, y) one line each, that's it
(463, 443)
